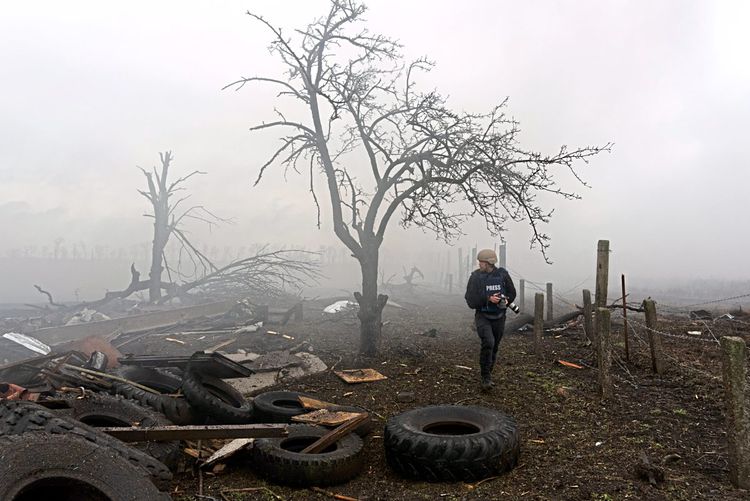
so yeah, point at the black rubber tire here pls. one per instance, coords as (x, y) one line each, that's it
(278, 406)
(279, 459)
(451, 443)
(213, 398)
(21, 417)
(160, 380)
(38, 465)
(99, 409)
(282, 406)
(177, 410)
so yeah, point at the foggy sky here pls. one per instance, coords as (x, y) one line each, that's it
(90, 90)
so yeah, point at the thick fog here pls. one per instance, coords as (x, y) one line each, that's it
(91, 90)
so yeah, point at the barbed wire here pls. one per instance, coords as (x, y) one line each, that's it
(637, 337)
(631, 320)
(710, 301)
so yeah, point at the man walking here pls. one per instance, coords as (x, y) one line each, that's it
(489, 291)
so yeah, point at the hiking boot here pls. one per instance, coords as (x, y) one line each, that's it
(487, 383)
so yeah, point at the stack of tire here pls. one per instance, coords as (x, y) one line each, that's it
(48, 456)
(210, 400)
(207, 399)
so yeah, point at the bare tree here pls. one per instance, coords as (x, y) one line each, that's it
(168, 215)
(424, 163)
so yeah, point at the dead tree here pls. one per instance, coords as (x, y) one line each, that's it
(426, 164)
(409, 277)
(168, 215)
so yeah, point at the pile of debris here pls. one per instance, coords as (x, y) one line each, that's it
(148, 416)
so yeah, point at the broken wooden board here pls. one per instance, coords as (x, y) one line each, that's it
(334, 435)
(108, 329)
(360, 375)
(167, 433)
(324, 417)
(228, 450)
(311, 403)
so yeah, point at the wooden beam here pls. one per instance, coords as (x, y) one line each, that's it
(334, 435)
(168, 433)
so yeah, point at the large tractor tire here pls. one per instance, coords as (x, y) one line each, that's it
(19, 417)
(38, 465)
(451, 443)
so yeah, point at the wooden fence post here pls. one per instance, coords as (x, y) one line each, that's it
(602, 279)
(502, 257)
(738, 422)
(538, 322)
(605, 352)
(625, 319)
(549, 302)
(602, 273)
(588, 320)
(654, 339)
(522, 295)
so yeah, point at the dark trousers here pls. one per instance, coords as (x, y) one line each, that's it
(490, 333)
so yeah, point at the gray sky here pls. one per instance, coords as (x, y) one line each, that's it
(92, 89)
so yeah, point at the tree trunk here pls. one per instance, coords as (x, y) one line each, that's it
(161, 235)
(371, 303)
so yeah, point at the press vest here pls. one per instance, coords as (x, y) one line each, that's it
(493, 284)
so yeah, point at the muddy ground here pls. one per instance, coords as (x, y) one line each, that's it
(574, 446)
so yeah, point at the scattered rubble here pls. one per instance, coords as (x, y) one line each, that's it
(99, 373)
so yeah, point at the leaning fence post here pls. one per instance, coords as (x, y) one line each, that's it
(605, 352)
(522, 295)
(538, 322)
(588, 320)
(549, 301)
(738, 422)
(654, 338)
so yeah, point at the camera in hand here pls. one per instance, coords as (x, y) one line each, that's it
(512, 306)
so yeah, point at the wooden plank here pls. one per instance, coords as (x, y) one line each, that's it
(334, 435)
(311, 403)
(131, 324)
(324, 417)
(168, 433)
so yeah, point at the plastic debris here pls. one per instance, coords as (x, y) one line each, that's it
(29, 342)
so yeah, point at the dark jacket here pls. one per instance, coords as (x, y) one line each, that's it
(477, 296)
